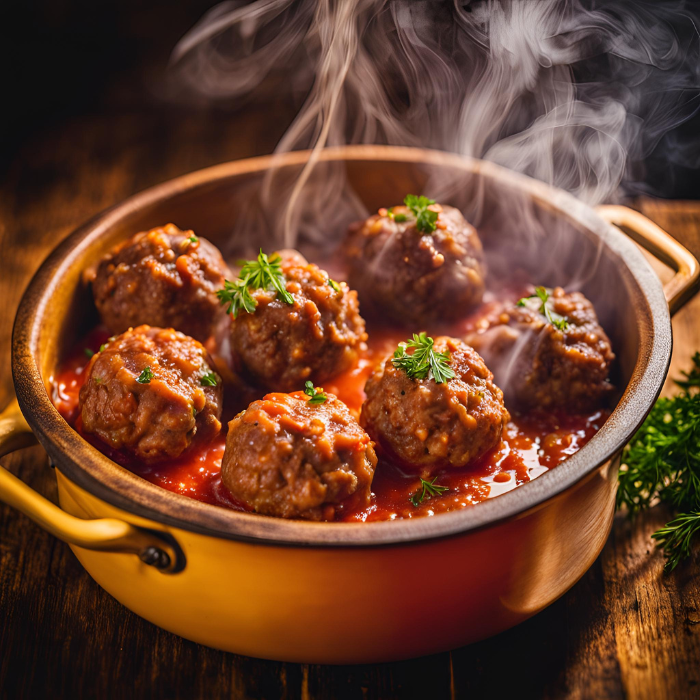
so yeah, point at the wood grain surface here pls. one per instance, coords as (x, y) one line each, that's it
(625, 630)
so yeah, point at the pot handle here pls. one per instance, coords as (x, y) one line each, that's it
(158, 549)
(663, 246)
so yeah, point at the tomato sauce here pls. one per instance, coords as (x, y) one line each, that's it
(531, 444)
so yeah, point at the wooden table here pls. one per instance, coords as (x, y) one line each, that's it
(625, 630)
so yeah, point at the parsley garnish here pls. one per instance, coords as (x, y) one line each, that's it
(209, 379)
(263, 273)
(89, 353)
(662, 462)
(145, 376)
(426, 219)
(318, 396)
(192, 238)
(429, 490)
(102, 347)
(552, 317)
(424, 361)
(333, 285)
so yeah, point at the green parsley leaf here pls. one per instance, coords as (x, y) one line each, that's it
(318, 396)
(89, 353)
(424, 361)
(333, 285)
(662, 462)
(209, 379)
(426, 219)
(192, 238)
(429, 489)
(102, 347)
(145, 376)
(552, 317)
(263, 273)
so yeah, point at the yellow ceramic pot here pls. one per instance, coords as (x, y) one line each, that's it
(341, 592)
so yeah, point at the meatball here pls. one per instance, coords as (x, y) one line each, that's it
(560, 361)
(413, 277)
(151, 392)
(293, 458)
(163, 277)
(421, 423)
(280, 346)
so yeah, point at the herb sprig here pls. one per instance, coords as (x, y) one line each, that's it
(662, 462)
(429, 489)
(424, 361)
(552, 317)
(318, 396)
(262, 273)
(426, 219)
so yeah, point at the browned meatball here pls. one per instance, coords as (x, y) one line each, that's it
(421, 423)
(412, 277)
(541, 365)
(151, 392)
(279, 346)
(292, 458)
(163, 277)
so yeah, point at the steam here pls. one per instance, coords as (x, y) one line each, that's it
(571, 93)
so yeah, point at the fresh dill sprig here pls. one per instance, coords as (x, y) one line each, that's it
(426, 219)
(424, 361)
(263, 273)
(675, 538)
(552, 317)
(318, 396)
(429, 489)
(662, 462)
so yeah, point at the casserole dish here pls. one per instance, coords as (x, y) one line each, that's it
(340, 592)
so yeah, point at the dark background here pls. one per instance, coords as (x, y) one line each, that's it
(63, 60)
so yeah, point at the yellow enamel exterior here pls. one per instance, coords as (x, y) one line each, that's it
(339, 605)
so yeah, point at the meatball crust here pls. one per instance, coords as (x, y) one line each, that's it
(545, 366)
(423, 424)
(412, 277)
(281, 346)
(163, 278)
(146, 393)
(293, 459)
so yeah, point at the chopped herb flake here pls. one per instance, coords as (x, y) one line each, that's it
(145, 376)
(317, 395)
(209, 379)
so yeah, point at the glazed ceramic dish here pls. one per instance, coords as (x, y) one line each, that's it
(348, 592)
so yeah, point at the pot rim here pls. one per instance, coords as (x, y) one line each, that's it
(90, 469)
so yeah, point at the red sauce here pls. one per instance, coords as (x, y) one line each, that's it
(531, 445)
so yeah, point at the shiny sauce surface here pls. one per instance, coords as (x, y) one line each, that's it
(531, 444)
